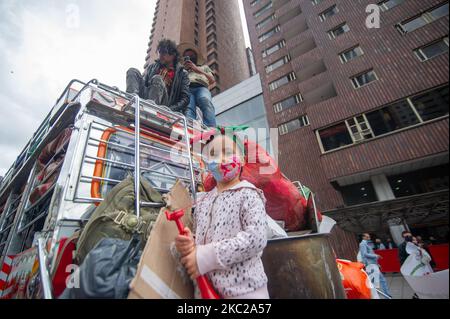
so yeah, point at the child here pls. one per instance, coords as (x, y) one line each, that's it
(229, 228)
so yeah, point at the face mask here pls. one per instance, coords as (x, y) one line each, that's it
(408, 238)
(225, 172)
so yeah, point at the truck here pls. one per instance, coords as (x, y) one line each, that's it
(92, 139)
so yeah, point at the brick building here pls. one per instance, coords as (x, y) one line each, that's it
(214, 26)
(362, 113)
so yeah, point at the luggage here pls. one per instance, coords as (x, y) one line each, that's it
(115, 217)
(284, 201)
(356, 282)
(64, 260)
(53, 147)
(107, 270)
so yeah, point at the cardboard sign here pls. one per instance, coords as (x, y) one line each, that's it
(157, 276)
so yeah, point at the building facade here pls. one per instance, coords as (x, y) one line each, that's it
(243, 104)
(214, 26)
(362, 112)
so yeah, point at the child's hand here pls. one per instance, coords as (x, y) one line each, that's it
(185, 243)
(190, 263)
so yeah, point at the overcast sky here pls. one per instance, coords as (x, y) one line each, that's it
(46, 43)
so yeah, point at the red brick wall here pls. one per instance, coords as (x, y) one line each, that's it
(400, 75)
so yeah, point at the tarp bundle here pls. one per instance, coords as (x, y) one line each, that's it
(284, 200)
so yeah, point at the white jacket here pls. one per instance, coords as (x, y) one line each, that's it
(230, 234)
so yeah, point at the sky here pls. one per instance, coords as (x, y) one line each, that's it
(44, 44)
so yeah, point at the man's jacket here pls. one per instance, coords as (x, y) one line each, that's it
(179, 94)
(367, 254)
(402, 254)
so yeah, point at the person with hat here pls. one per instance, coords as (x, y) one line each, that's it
(165, 82)
(201, 78)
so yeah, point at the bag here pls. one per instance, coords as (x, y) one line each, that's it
(284, 200)
(115, 217)
(356, 283)
(53, 147)
(159, 275)
(107, 270)
(64, 259)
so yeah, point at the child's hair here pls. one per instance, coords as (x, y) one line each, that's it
(229, 133)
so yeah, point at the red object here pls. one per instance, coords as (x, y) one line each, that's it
(284, 201)
(206, 288)
(354, 279)
(391, 263)
(51, 148)
(40, 190)
(64, 259)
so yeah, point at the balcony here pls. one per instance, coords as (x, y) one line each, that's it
(311, 71)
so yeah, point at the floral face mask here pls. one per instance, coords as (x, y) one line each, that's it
(225, 172)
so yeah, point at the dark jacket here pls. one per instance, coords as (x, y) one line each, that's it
(402, 254)
(179, 94)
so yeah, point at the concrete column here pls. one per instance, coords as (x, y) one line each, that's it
(396, 227)
(382, 187)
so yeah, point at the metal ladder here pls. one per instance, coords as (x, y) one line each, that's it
(136, 103)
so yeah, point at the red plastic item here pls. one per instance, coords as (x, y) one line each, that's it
(64, 258)
(354, 279)
(284, 201)
(206, 288)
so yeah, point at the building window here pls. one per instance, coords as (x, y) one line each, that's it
(406, 113)
(211, 37)
(351, 54)
(389, 4)
(432, 104)
(359, 128)
(211, 28)
(316, 2)
(358, 194)
(293, 125)
(214, 67)
(254, 2)
(211, 20)
(391, 118)
(211, 12)
(328, 13)
(215, 91)
(419, 182)
(335, 137)
(364, 79)
(288, 103)
(274, 48)
(266, 21)
(432, 50)
(278, 64)
(209, 5)
(212, 46)
(264, 9)
(212, 56)
(282, 81)
(269, 33)
(339, 30)
(424, 19)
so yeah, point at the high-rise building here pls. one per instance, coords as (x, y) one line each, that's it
(214, 26)
(362, 110)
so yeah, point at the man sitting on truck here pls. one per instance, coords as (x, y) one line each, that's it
(165, 81)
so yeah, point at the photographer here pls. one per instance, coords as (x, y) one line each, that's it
(201, 78)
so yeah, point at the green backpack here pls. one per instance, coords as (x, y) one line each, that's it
(116, 218)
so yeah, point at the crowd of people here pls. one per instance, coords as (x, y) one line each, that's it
(178, 79)
(370, 258)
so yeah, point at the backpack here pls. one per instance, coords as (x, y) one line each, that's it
(116, 218)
